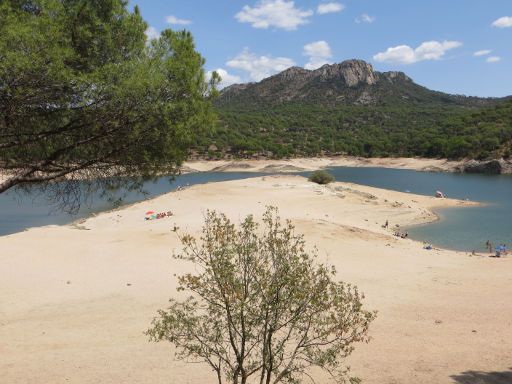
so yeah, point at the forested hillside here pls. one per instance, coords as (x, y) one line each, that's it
(348, 108)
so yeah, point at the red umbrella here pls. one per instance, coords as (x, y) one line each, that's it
(150, 212)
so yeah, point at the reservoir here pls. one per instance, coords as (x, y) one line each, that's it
(19, 211)
(463, 229)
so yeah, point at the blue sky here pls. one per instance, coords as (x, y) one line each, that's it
(455, 46)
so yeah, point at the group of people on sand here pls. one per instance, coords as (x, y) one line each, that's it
(157, 216)
(402, 235)
(500, 250)
(396, 233)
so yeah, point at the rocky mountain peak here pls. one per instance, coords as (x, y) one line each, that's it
(349, 82)
(352, 72)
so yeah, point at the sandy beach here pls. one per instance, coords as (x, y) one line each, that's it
(76, 299)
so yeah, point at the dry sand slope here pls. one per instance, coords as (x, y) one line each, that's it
(75, 300)
(313, 163)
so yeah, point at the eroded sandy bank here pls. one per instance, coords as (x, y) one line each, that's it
(310, 164)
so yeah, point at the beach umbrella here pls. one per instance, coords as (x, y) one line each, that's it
(150, 212)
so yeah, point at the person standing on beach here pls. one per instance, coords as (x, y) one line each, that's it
(488, 245)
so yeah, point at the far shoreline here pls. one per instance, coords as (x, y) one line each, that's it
(304, 164)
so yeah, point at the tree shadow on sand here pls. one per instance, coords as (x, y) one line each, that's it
(477, 377)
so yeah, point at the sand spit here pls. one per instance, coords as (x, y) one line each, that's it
(75, 300)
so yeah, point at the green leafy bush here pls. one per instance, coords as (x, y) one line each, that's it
(321, 177)
(255, 294)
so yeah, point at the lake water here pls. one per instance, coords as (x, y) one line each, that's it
(21, 211)
(460, 228)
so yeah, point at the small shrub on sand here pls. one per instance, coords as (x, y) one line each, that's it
(321, 177)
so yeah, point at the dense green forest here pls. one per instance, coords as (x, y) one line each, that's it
(301, 129)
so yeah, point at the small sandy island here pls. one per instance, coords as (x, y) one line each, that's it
(75, 300)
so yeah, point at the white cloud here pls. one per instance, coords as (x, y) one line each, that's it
(319, 52)
(429, 50)
(259, 67)
(365, 18)
(152, 33)
(483, 52)
(503, 22)
(493, 59)
(227, 79)
(274, 13)
(324, 8)
(175, 21)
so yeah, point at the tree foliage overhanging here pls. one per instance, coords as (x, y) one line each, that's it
(83, 89)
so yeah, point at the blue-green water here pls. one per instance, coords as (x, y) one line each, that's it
(21, 211)
(465, 228)
(460, 228)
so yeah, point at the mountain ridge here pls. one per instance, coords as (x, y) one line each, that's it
(350, 82)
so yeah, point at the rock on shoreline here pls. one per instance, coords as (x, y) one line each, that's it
(494, 167)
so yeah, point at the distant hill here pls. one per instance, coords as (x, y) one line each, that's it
(348, 108)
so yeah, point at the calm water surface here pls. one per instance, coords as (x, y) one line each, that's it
(18, 212)
(460, 228)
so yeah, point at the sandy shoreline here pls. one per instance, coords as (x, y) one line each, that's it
(314, 163)
(75, 299)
